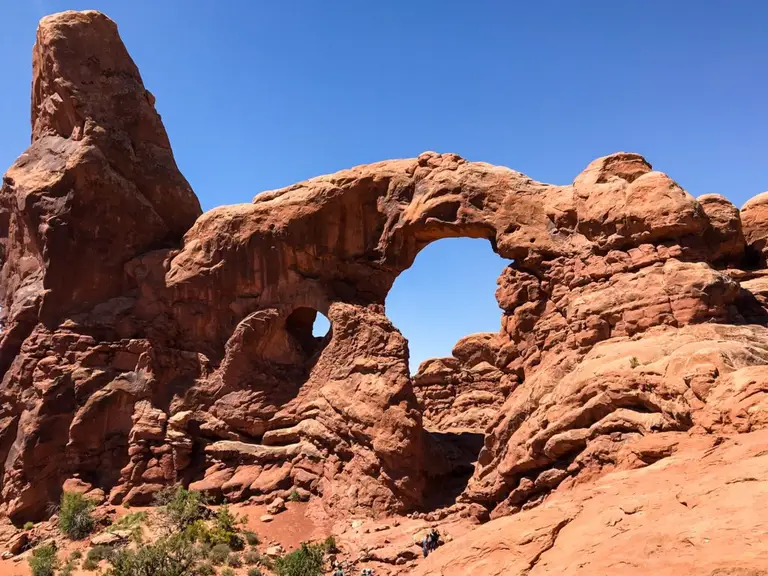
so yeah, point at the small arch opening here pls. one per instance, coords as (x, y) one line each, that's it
(322, 326)
(309, 328)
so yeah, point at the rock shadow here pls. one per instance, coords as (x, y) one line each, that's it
(451, 459)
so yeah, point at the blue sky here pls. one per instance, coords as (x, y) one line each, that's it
(258, 95)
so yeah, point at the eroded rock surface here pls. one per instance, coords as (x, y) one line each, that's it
(145, 344)
(465, 391)
(700, 511)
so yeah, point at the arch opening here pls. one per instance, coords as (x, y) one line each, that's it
(446, 294)
(310, 328)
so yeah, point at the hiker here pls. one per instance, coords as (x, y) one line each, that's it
(425, 545)
(338, 572)
(434, 539)
(367, 572)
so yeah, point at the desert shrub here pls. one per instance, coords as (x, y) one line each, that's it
(68, 568)
(225, 530)
(43, 561)
(181, 506)
(29, 525)
(219, 554)
(99, 553)
(306, 561)
(329, 545)
(204, 549)
(634, 362)
(254, 572)
(294, 496)
(197, 531)
(234, 560)
(76, 555)
(130, 521)
(251, 537)
(90, 565)
(172, 556)
(75, 518)
(205, 569)
(227, 572)
(252, 557)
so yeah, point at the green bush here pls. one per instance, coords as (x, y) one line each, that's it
(219, 554)
(227, 572)
(306, 561)
(252, 557)
(234, 560)
(75, 518)
(197, 531)
(251, 537)
(90, 564)
(43, 561)
(224, 530)
(172, 556)
(181, 506)
(294, 496)
(68, 568)
(254, 572)
(76, 555)
(205, 569)
(29, 525)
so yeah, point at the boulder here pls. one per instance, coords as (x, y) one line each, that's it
(276, 506)
(753, 220)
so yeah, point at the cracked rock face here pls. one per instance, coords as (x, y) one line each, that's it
(145, 343)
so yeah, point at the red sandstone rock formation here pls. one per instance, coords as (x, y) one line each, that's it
(465, 391)
(633, 319)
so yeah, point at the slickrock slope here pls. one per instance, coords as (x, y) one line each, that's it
(146, 344)
(699, 511)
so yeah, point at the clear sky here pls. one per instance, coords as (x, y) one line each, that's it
(258, 95)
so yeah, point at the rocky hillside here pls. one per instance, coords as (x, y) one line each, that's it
(146, 344)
